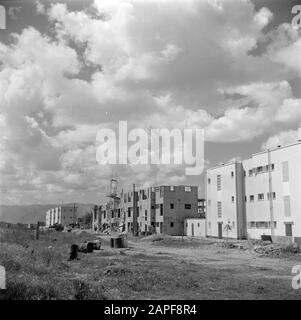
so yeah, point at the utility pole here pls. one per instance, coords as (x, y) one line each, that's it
(135, 225)
(74, 214)
(38, 231)
(270, 193)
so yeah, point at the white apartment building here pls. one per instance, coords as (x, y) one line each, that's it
(273, 186)
(225, 210)
(269, 197)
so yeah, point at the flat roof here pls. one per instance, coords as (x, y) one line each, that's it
(257, 153)
(224, 165)
(277, 148)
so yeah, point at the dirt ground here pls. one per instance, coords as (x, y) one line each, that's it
(158, 268)
(203, 269)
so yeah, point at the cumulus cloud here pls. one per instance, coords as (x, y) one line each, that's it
(157, 64)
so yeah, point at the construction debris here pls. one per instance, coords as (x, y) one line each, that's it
(86, 247)
(277, 250)
(96, 244)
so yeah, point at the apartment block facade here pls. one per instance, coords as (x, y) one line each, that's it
(161, 209)
(225, 207)
(64, 215)
(269, 197)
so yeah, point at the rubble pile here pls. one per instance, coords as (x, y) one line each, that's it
(277, 250)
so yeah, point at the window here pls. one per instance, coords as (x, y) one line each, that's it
(219, 181)
(287, 206)
(219, 209)
(261, 224)
(198, 225)
(144, 196)
(161, 209)
(232, 174)
(209, 202)
(187, 206)
(233, 225)
(209, 180)
(251, 224)
(260, 196)
(171, 206)
(251, 173)
(145, 218)
(145, 212)
(209, 224)
(161, 191)
(187, 189)
(232, 198)
(153, 207)
(259, 169)
(172, 188)
(251, 198)
(129, 212)
(138, 212)
(157, 224)
(271, 195)
(285, 171)
(171, 224)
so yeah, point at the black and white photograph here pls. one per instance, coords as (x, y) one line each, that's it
(150, 150)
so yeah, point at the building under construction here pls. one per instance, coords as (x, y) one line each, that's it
(161, 209)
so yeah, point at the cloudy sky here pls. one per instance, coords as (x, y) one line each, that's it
(69, 68)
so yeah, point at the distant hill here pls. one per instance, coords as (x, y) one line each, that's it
(34, 213)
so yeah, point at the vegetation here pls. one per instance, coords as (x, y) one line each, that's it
(154, 267)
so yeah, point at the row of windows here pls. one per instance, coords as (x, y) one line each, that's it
(128, 197)
(261, 224)
(257, 170)
(218, 179)
(260, 196)
(187, 206)
(261, 169)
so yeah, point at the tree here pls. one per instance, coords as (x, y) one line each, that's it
(228, 228)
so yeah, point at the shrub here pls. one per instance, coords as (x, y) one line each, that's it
(21, 290)
(84, 291)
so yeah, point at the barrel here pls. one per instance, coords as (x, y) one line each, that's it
(119, 242)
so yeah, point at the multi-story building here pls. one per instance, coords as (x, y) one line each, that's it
(64, 215)
(225, 210)
(173, 205)
(146, 210)
(161, 209)
(269, 197)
